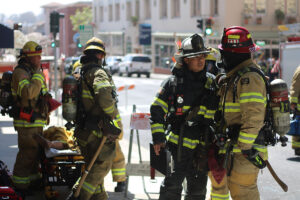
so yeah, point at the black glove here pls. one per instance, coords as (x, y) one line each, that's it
(253, 156)
(110, 130)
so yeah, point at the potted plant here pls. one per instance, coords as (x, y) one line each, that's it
(258, 20)
(134, 20)
(247, 18)
(279, 15)
(291, 20)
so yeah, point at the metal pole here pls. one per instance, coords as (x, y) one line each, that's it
(55, 72)
(126, 96)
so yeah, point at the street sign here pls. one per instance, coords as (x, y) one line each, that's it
(145, 34)
(85, 33)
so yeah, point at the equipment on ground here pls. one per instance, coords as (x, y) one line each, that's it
(9, 193)
(162, 162)
(6, 98)
(69, 100)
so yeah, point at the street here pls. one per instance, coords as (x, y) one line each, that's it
(282, 159)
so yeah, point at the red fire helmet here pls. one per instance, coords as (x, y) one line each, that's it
(237, 39)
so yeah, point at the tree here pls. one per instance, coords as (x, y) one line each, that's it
(83, 16)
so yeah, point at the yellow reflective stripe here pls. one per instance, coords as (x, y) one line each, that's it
(118, 118)
(189, 143)
(252, 97)
(202, 110)
(97, 134)
(110, 109)
(210, 114)
(236, 149)
(260, 148)
(295, 144)
(294, 99)
(157, 128)
(298, 106)
(21, 180)
(86, 94)
(232, 107)
(102, 84)
(21, 86)
(38, 77)
(118, 172)
(88, 187)
(247, 137)
(185, 108)
(215, 196)
(35, 176)
(14, 93)
(44, 89)
(115, 122)
(24, 123)
(161, 103)
(99, 189)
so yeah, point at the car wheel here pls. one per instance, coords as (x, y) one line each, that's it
(129, 74)
(139, 75)
(148, 75)
(120, 73)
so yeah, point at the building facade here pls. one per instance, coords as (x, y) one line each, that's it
(117, 23)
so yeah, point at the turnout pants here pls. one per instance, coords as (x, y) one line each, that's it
(171, 187)
(242, 182)
(296, 142)
(27, 162)
(93, 186)
(118, 169)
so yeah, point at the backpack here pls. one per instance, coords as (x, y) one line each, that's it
(267, 134)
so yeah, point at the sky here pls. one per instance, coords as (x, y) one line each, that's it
(20, 6)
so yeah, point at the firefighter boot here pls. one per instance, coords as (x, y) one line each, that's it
(120, 186)
(297, 152)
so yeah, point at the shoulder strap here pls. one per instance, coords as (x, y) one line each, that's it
(83, 72)
(25, 69)
(256, 70)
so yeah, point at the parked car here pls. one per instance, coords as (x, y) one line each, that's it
(135, 64)
(112, 63)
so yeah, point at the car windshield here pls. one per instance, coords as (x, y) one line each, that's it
(141, 59)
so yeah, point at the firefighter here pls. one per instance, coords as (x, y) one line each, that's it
(118, 166)
(295, 106)
(242, 106)
(211, 61)
(31, 112)
(98, 98)
(184, 108)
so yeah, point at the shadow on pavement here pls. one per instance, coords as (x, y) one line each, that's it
(296, 159)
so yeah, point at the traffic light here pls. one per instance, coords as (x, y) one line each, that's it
(200, 24)
(54, 21)
(53, 44)
(208, 24)
(17, 26)
(79, 45)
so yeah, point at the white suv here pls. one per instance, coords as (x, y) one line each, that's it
(135, 64)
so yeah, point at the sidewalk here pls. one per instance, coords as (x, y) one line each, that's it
(135, 189)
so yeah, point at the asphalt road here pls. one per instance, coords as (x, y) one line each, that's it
(283, 160)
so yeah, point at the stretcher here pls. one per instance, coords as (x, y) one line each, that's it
(60, 168)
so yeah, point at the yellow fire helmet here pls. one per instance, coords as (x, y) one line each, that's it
(76, 67)
(94, 44)
(31, 48)
(213, 55)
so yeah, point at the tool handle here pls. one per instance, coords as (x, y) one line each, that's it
(86, 172)
(277, 179)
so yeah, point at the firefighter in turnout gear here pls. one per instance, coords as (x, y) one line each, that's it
(211, 61)
(181, 114)
(96, 105)
(118, 166)
(30, 113)
(295, 106)
(242, 109)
